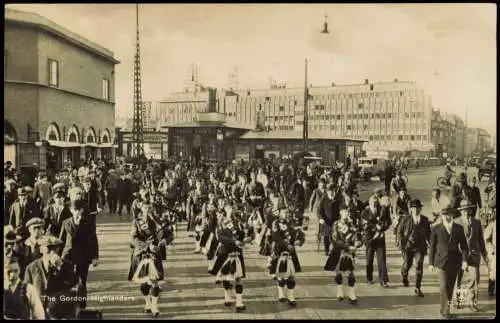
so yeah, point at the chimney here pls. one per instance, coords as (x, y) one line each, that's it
(366, 81)
(333, 84)
(395, 80)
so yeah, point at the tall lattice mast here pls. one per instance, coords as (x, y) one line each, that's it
(138, 127)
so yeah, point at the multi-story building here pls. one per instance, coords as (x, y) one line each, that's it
(478, 141)
(59, 93)
(394, 116)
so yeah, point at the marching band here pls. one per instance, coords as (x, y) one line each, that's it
(224, 215)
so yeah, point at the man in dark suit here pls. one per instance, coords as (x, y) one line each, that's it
(414, 235)
(29, 250)
(56, 213)
(448, 249)
(22, 211)
(80, 241)
(329, 212)
(375, 221)
(91, 196)
(388, 175)
(475, 238)
(52, 276)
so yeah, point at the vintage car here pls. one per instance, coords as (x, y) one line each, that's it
(486, 167)
(371, 167)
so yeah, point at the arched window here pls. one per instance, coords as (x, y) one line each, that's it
(106, 137)
(52, 132)
(73, 135)
(9, 132)
(90, 136)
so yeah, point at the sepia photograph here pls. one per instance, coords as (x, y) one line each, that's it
(250, 161)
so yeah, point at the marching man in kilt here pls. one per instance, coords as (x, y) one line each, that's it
(149, 240)
(285, 262)
(229, 265)
(194, 207)
(346, 239)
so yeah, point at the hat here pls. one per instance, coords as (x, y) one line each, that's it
(28, 189)
(50, 241)
(35, 222)
(10, 235)
(416, 203)
(379, 191)
(10, 181)
(21, 191)
(464, 205)
(58, 188)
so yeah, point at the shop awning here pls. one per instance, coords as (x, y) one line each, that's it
(64, 144)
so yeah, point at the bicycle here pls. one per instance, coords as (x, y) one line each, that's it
(442, 182)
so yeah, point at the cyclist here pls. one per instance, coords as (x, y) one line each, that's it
(448, 173)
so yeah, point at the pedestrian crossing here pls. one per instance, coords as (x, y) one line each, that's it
(189, 292)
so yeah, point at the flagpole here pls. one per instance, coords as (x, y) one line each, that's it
(305, 133)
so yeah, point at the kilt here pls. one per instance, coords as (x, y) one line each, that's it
(339, 260)
(143, 269)
(229, 266)
(285, 265)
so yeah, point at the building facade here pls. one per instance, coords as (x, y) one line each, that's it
(59, 93)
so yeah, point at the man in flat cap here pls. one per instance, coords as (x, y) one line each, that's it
(20, 300)
(91, 197)
(57, 212)
(414, 234)
(448, 254)
(29, 250)
(80, 245)
(23, 209)
(50, 274)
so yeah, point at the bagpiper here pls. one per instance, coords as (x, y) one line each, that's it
(229, 264)
(346, 239)
(149, 241)
(285, 262)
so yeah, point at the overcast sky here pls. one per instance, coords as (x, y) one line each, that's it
(449, 50)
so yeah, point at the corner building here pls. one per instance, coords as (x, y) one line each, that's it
(59, 94)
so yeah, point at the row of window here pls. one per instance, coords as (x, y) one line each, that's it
(361, 95)
(365, 116)
(54, 79)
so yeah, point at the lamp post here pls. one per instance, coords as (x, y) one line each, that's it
(305, 134)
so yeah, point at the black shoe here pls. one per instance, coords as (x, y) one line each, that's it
(353, 301)
(418, 292)
(405, 282)
(156, 314)
(340, 299)
(282, 300)
(292, 303)
(147, 311)
(228, 304)
(240, 309)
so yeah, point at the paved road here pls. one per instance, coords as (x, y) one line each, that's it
(190, 293)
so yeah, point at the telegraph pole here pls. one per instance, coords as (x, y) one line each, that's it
(138, 126)
(305, 134)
